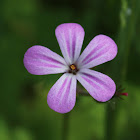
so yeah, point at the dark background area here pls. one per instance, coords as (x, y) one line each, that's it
(24, 113)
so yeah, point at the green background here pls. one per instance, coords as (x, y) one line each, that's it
(24, 113)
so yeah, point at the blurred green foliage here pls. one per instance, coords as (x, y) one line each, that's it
(24, 113)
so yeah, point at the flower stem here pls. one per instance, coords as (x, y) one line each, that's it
(110, 122)
(65, 126)
(128, 17)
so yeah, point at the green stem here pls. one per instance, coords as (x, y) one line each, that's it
(65, 126)
(110, 122)
(128, 23)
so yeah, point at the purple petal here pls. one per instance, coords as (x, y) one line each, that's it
(100, 50)
(70, 37)
(100, 86)
(62, 96)
(40, 60)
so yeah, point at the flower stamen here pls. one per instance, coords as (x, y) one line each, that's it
(73, 69)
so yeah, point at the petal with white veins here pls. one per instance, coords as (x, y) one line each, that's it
(62, 96)
(100, 86)
(100, 50)
(40, 60)
(70, 37)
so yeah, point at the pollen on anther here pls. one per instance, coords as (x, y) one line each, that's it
(73, 67)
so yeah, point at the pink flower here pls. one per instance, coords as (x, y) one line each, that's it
(40, 60)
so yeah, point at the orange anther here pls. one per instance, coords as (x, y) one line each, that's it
(73, 67)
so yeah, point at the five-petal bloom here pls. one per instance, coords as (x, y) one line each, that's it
(40, 60)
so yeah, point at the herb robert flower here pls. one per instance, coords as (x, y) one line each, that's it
(39, 60)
